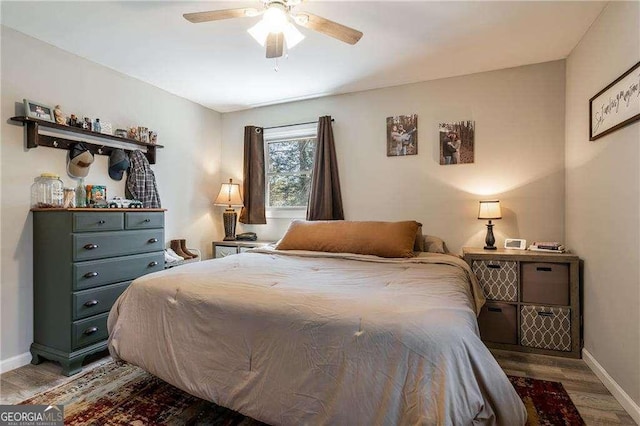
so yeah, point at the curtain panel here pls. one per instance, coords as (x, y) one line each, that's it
(253, 184)
(325, 198)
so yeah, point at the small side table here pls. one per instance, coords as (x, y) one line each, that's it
(533, 300)
(227, 248)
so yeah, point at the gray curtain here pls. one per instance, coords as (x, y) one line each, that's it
(253, 211)
(325, 199)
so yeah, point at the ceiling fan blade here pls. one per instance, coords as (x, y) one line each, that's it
(217, 15)
(330, 28)
(275, 45)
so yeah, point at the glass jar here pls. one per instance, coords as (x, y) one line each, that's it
(69, 198)
(47, 191)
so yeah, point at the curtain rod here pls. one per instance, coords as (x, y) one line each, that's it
(296, 124)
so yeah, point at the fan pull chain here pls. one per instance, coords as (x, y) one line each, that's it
(276, 68)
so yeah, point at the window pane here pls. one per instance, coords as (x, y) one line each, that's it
(289, 190)
(293, 156)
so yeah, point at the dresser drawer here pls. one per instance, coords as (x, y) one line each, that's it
(545, 283)
(143, 220)
(108, 244)
(96, 300)
(498, 322)
(88, 331)
(97, 273)
(498, 279)
(98, 221)
(546, 327)
(224, 251)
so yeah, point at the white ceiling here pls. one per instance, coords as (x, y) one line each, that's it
(220, 66)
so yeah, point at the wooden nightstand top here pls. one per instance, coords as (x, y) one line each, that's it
(523, 255)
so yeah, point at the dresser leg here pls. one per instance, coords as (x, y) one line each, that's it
(35, 358)
(69, 368)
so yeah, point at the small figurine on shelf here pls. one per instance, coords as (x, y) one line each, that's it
(133, 133)
(72, 121)
(86, 124)
(96, 126)
(143, 134)
(153, 137)
(57, 112)
(121, 133)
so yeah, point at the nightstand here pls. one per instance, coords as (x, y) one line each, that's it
(533, 300)
(226, 248)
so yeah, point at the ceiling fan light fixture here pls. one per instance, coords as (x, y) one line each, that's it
(292, 36)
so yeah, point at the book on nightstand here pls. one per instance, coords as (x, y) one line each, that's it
(547, 246)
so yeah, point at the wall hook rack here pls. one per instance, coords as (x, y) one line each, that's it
(92, 140)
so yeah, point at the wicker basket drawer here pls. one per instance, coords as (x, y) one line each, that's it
(546, 327)
(498, 279)
(498, 323)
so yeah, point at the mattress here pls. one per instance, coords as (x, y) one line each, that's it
(293, 338)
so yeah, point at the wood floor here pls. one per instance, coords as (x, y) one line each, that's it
(594, 402)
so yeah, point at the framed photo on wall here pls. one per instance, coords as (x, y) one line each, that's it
(37, 110)
(402, 135)
(457, 142)
(615, 106)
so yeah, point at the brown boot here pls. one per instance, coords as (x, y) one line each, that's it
(175, 246)
(185, 250)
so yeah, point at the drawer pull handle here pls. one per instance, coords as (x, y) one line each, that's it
(91, 274)
(491, 309)
(543, 269)
(152, 240)
(147, 220)
(89, 331)
(101, 222)
(90, 303)
(91, 246)
(494, 266)
(545, 314)
(152, 264)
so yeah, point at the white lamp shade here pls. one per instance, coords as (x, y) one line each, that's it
(229, 195)
(292, 35)
(489, 210)
(259, 32)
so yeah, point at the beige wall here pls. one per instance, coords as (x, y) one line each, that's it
(519, 115)
(186, 170)
(603, 197)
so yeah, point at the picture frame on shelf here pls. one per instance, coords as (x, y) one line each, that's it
(615, 106)
(38, 110)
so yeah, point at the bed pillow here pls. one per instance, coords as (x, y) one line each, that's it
(418, 244)
(433, 244)
(384, 239)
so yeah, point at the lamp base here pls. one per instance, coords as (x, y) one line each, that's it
(490, 240)
(229, 217)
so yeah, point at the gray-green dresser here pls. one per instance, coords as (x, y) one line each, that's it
(83, 259)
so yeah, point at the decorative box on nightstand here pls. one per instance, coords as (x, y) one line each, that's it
(226, 248)
(533, 300)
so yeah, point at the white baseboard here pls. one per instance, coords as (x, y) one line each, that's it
(15, 362)
(618, 393)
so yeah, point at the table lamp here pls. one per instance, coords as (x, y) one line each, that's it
(229, 196)
(490, 210)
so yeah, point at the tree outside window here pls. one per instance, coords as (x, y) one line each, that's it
(289, 167)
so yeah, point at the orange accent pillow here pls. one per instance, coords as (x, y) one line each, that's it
(383, 239)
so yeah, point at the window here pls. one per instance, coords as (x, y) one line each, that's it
(289, 162)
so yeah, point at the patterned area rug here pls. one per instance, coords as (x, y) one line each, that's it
(547, 403)
(127, 395)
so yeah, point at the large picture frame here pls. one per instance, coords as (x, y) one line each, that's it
(615, 106)
(37, 110)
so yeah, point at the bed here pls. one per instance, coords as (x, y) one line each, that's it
(301, 337)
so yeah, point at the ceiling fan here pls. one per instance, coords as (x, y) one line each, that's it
(276, 27)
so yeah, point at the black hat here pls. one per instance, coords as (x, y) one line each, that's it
(118, 163)
(80, 158)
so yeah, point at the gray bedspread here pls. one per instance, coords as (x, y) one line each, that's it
(302, 338)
